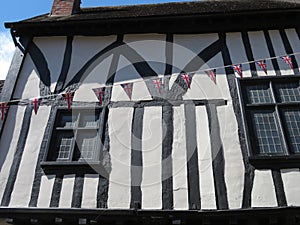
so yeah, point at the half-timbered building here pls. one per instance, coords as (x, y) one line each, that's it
(174, 113)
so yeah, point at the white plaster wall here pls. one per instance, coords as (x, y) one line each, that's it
(119, 192)
(84, 48)
(180, 183)
(127, 73)
(151, 185)
(44, 198)
(291, 178)
(237, 52)
(89, 192)
(66, 193)
(295, 42)
(260, 51)
(151, 47)
(9, 141)
(186, 47)
(21, 193)
(54, 53)
(263, 192)
(234, 167)
(28, 82)
(206, 178)
(95, 79)
(280, 51)
(202, 87)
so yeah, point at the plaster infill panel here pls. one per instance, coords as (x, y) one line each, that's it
(21, 193)
(119, 192)
(202, 87)
(180, 183)
(280, 51)
(28, 81)
(89, 192)
(126, 73)
(84, 49)
(234, 165)
(187, 47)
(260, 51)
(53, 50)
(9, 141)
(66, 194)
(295, 42)
(96, 79)
(151, 185)
(237, 52)
(291, 180)
(263, 192)
(47, 182)
(206, 177)
(151, 47)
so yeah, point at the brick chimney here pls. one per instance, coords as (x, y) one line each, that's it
(65, 7)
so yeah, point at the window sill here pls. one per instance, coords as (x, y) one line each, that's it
(275, 162)
(65, 168)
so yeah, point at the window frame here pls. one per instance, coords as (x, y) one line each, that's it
(267, 161)
(71, 166)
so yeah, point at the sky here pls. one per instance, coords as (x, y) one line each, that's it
(16, 10)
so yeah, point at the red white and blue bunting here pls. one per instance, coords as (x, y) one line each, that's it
(186, 78)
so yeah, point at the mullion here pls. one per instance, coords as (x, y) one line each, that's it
(279, 121)
(83, 129)
(75, 137)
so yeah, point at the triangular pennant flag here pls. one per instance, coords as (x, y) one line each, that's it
(238, 69)
(99, 92)
(187, 78)
(288, 60)
(4, 107)
(68, 96)
(35, 102)
(158, 84)
(128, 89)
(212, 75)
(262, 64)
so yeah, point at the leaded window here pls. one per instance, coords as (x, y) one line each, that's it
(75, 136)
(271, 107)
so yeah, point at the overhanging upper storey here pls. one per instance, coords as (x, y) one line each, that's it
(179, 17)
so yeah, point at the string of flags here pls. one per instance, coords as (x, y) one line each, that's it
(158, 83)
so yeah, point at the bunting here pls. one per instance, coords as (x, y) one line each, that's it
(4, 108)
(212, 75)
(238, 69)
(128, 89)
(262, 64)
(68, 96)
(288, 60)
(158, 84)
(35, 102)
(99, 92)
(187, 78)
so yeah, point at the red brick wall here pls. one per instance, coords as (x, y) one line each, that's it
(65, 7)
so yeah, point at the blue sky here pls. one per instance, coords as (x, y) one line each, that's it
(15, 10)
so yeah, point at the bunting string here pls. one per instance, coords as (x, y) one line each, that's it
(157, 80)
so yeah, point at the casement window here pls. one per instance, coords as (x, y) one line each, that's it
(75, 138)
(271, 108)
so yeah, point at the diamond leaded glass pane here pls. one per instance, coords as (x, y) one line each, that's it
(292, 126)
(288, 92)
(266, 133)
(87, 143)
(259, 94)
(64, 146)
